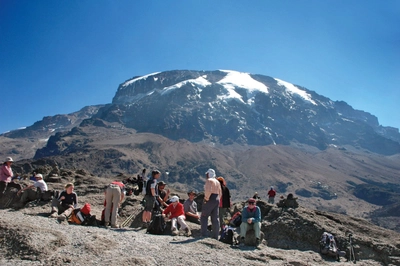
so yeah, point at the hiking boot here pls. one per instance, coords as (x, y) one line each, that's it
(53, 214)
(115, 226)
(145, 225)
(188, 232)
(258, 242)
(106, 224)
(61, 217)
(241, 244)
(175, 232)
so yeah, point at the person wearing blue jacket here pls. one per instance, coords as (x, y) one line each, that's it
(251, 219)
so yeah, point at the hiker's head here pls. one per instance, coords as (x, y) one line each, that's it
(221, 180)
(39, 176)
(161, 184)
(174, 200)
(192, 194)
(69, 188)
(210, 173)
(156, 174)
(251, 203)
(9, 160)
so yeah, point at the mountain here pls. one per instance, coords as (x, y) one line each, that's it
(234, 107)
(255, 130)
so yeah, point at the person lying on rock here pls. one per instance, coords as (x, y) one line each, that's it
(175, 212)
(251, 219)
(32, 192)
(63, 205)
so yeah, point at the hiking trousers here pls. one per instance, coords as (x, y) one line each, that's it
(210, 208)
(113, 197)
(244, 227)
(180, 220)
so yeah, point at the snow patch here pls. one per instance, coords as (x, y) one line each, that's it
(294, 90)
(139, 78)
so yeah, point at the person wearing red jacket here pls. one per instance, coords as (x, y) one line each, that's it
(271, 195)
(175, 212)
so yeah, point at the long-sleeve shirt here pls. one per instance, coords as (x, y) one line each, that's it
(70, 199)
(175, 211)
(254, 214)
(6, 173)
(212, 186)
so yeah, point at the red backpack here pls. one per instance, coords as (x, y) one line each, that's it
(86, 209)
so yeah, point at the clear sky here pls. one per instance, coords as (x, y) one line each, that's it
(59, 56)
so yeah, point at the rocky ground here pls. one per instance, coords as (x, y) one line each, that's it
(28, 236)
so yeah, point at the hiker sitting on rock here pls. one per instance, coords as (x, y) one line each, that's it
(175, 212)
(33, 192)
(63, 205)
(163, 194)
(289, 202)
(190, 208)
(251, 219)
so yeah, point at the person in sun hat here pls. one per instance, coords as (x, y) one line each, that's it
(33, 191)
(163, 194)
(175, 212)
(190, 208)
(251, 219)
(6, 175)
(212, 194)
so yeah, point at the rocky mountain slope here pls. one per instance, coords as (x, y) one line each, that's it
(291, 235)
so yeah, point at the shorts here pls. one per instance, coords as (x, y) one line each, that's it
(149, 205)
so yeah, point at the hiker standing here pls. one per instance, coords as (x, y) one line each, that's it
(150, 197)
(271, 195)
(115, 194)
(6, 175)
(251, 219)
(143, 176)
(225, 201)
(212, 194)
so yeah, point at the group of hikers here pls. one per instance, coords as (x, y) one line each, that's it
(215, 205)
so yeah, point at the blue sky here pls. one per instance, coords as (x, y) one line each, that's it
(59, 56)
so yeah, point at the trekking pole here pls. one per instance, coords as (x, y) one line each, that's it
(129, 219)
(352, 256)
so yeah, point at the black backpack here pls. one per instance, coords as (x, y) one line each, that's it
(227, 235)
(157, 225)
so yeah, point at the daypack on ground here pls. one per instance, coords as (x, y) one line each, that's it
(236, 220)
(328, 245)
(227, 235)
(157, 225)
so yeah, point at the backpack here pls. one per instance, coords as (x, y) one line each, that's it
(77, 217)
(327, 245)
(86, 209)
(227, 235)
(157, 225)
(236, 220)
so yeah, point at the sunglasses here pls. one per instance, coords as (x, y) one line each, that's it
(252, 203)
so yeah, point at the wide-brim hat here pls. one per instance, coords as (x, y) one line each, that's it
(9, 159)
(192, 192)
